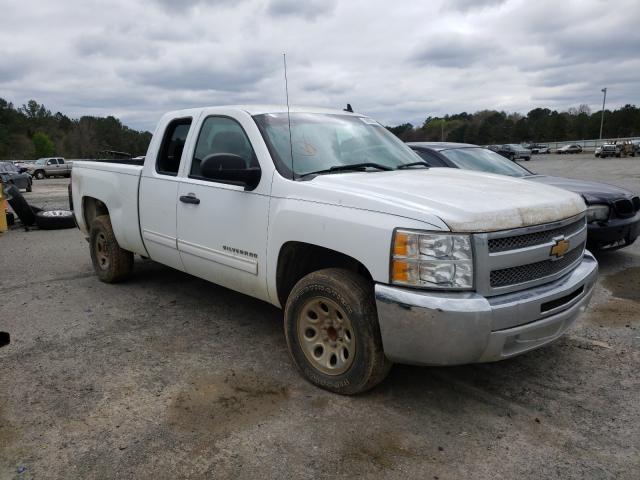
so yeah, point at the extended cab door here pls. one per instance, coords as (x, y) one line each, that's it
(158, 191)
(222, 228)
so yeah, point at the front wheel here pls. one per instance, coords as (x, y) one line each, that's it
(39, 175)
(332, 331)
(111, 263)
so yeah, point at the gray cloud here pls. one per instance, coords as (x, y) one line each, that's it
(466, 5)
(456, 51)
(310, 9)
(398, 63)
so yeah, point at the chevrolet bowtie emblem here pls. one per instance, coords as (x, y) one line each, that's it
(559, 249)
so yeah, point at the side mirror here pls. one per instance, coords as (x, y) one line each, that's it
(5, 339)
(230, 168)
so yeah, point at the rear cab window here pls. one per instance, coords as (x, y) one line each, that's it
(173, 141)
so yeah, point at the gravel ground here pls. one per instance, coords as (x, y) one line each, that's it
(168, 376)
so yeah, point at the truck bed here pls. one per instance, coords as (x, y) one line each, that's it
(116, 186)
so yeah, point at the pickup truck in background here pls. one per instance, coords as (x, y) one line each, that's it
(50, 167)
(374, 257)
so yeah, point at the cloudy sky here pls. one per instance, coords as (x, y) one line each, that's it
(397, 61)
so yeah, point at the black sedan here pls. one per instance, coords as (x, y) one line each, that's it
(613, 213)
(11, 174)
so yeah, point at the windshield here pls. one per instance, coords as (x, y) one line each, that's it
(321, 141)
(41, 161)
(484, 160)
(8, 167)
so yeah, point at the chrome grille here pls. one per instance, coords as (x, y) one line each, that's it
(529, 239)
(534, 271)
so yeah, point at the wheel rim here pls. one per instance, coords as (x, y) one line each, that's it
(326, 336)
(102, 252)
(55, 213)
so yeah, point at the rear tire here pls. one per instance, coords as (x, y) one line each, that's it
(111, 263)
(332, 331)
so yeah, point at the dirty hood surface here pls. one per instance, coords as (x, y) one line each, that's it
(466, 201)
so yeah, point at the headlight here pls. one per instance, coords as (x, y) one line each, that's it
(597, 212)
(432, 260)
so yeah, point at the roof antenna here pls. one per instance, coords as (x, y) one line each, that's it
(348, 109)
(286, 89)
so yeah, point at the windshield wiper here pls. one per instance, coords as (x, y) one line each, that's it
(413, 164)
(347, 168)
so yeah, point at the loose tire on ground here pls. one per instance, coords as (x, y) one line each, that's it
(111, 263)
(331, 328)
(55, 219)
(20, 206)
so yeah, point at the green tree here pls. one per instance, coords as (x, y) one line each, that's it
(43, 145)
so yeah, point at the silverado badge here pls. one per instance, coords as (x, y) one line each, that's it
(559, 248)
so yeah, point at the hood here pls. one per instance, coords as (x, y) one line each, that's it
(466, 201)
(592, 192)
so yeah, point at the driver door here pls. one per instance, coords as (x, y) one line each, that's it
(222, 228)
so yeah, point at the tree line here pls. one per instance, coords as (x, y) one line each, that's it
(539, 125)
(32, 131)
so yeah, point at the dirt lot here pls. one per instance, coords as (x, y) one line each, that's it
(168, 376)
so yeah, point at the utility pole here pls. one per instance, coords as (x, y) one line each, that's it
(604, 99)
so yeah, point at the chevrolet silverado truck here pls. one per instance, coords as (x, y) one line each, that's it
(374, 257)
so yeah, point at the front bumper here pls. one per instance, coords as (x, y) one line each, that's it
(431, 328)
(614, 233)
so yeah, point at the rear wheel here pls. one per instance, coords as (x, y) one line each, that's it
(111, 263)
(332, 331)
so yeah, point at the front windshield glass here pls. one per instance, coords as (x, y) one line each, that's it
(41, 161)
(8, 167)
(484, 160)
(321, 141)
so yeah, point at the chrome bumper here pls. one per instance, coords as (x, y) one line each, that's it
(431, 328)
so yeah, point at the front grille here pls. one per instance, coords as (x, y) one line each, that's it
(533, 271)
(624, 207)
(530, 239)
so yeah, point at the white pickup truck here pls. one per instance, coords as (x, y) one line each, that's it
(374, 257)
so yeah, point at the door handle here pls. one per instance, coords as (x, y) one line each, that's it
(191, 198)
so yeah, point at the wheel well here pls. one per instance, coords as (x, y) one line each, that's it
(297, 259)
(91, 208)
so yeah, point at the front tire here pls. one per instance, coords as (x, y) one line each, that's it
(111, 263)
(39, 175)
(331, 328)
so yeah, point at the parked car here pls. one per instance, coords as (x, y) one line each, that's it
(538, 148)
(11, 174)
(598, 151)
(512, 151)
(613, 213)
(571, 148)
(50, 167)
(373, 257)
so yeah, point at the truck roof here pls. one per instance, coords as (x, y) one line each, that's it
(261, 109)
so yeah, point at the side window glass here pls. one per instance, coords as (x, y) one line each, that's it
(223, 135)
(51, 162)
(175, 136)
(430, 158)
(61, 161)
